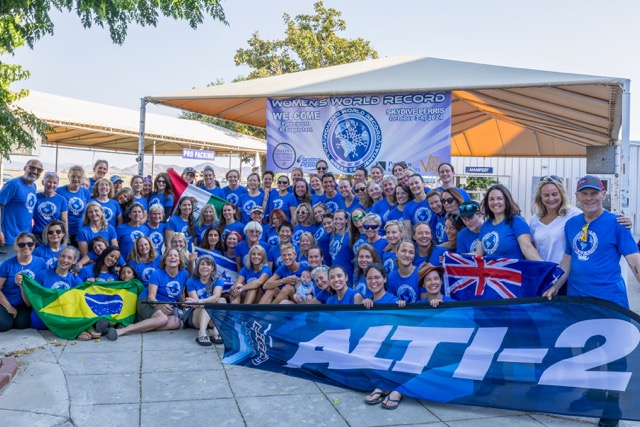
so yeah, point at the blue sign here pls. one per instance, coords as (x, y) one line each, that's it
(574, 356)
(189, 153)
(478, 169)
(348, 131)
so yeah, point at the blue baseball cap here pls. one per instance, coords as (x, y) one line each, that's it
(116, 178)
(590, 181)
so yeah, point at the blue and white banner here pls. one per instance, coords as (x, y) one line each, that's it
(574, 356)
(359, 130)
(469, 277)
(227, 269)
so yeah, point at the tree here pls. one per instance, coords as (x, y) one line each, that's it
(24, 21)
(311, 42)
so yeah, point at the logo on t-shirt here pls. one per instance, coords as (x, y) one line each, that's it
(422, 214)
(332, 206)
(76, 206)
(233, 198)
(173, 289)
(135, 234)
(250, 204)
(147, 272)
(157, 238)
(31, 202)
(47, 210)
(335, 248)
(490, 242)
(60, 284)
(277, 204)
(407, 293)
(108, 213)
(585, 249)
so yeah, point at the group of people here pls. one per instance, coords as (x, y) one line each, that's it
(370, 238)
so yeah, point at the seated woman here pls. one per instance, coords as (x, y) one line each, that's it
(96, 247)
(253, 231)
(95, 224)
(144, 259)
(105, 268)
(204, 287)
(179, 242)
(253, 275)
(281, 285)
(431, 280)
(343, 294)
(53, 237)
(166, 285)
(132, 229)
(156, 226)
(14, 312)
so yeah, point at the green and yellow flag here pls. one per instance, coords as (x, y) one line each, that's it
(68, 312)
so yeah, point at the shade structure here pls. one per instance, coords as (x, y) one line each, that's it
(83, 124)
(496, 111)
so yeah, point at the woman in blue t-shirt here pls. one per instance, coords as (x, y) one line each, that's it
(182, 221)
(505, 234)
(365, 255)
(166, 285)
(230, 221)
(162, 194)
(282, 283)
(95, 224)
(208, 218)
(343, 293)
(54, 237)
(253, 275)
(431, 280)
(105, 268)
(144, 259)
(103, 193)
(204, 287)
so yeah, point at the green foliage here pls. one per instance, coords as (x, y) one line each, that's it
(28, 21)
(479, 183)
(311, 42)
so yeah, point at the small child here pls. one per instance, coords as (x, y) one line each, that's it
(96, 246)
(304, 288)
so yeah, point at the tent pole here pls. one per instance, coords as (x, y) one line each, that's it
(153, 161)
(623, 172)
(57, 146)
(140, 158)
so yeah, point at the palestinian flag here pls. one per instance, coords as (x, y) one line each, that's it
(68, 312)
(182, 189)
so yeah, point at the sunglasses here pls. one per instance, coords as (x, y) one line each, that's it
(283, 182)
(23, 245)
(448, 201)
(302, 212)
(52, 232)
(161, 181)
(357, 217)
(468, 208)
(551, 178)
(360, 190)
(371, 226)
(321, 168)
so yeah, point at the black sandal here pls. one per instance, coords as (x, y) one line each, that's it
(204, 341)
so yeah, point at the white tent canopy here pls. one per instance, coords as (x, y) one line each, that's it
(91, 125)
(496, 111)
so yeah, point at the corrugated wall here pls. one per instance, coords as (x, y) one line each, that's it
(521, 175)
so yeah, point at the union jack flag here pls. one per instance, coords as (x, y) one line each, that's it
(472, 277)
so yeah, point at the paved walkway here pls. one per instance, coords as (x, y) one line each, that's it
(165, 378)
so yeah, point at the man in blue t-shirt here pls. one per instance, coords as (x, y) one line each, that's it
(17, 202)
(595, 242)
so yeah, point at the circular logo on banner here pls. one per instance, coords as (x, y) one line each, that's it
(351, 138)
(284, 155)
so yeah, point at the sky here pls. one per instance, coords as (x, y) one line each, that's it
(584, 37)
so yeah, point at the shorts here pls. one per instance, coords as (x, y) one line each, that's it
(145, 311)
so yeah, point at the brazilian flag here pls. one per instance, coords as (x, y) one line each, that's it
(68, 312)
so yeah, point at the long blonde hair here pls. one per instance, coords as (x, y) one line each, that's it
(539, 208)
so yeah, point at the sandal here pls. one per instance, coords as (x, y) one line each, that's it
(375, 397)
(204, 341)
(217, 339)
(388, 399)
(84, 336)
(95, 335)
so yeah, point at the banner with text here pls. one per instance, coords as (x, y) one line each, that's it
(573, 356)
(360, 130)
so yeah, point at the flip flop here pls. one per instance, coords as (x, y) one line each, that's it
(84, 336)
(387, 400)
(216, 339)
(95, 335)
(375, 400)
(204, 341)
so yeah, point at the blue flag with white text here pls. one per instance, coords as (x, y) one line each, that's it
(227, 269)
(573, 356)
(469, 277)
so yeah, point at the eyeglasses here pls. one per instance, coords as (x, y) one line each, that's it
(371, 226)
(360, 190)
(34, 168)
(355, 218)
(52, 232)
(283, 182)
(22, 245)
(321, 168)
(448, 201)
(551, 178)
(161, 181)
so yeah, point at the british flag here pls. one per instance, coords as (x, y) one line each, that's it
(473, 277)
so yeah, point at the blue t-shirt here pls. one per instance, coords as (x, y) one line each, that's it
(242, 250)
(418, 212)
(8, 270)
(355, 204)
(393, 213)
(271, 236)
(18, 201)
(333, 203)
(437, 228)
(127, 235)
(502, 240)
(299, 229)
(360, 286)
(76, 204)
(87, 273)
(237, 226)
(382, 207)
(283, 271)
(341, 252)
(234, 196)
(348, 298)
(387, 298)
(250, 275)
(467, 241)
(323, 241)
(161, 199)
(195, 285)
(276, 201)
(201, 229)
(405, 288)
(389, 261)
(436, 253)
(215, 191)
(144, 270)
(157, 236)
(86, 234)
(111, 211)
(595, 264)
(247, 203)
(273, 256)
(50, 279)
(179, 225)
(47, 209)
(143, 201)
(47, 254)
(169, 288)
(379, 246)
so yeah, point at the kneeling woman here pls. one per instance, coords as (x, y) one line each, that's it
(204, 287)
(166, 285)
